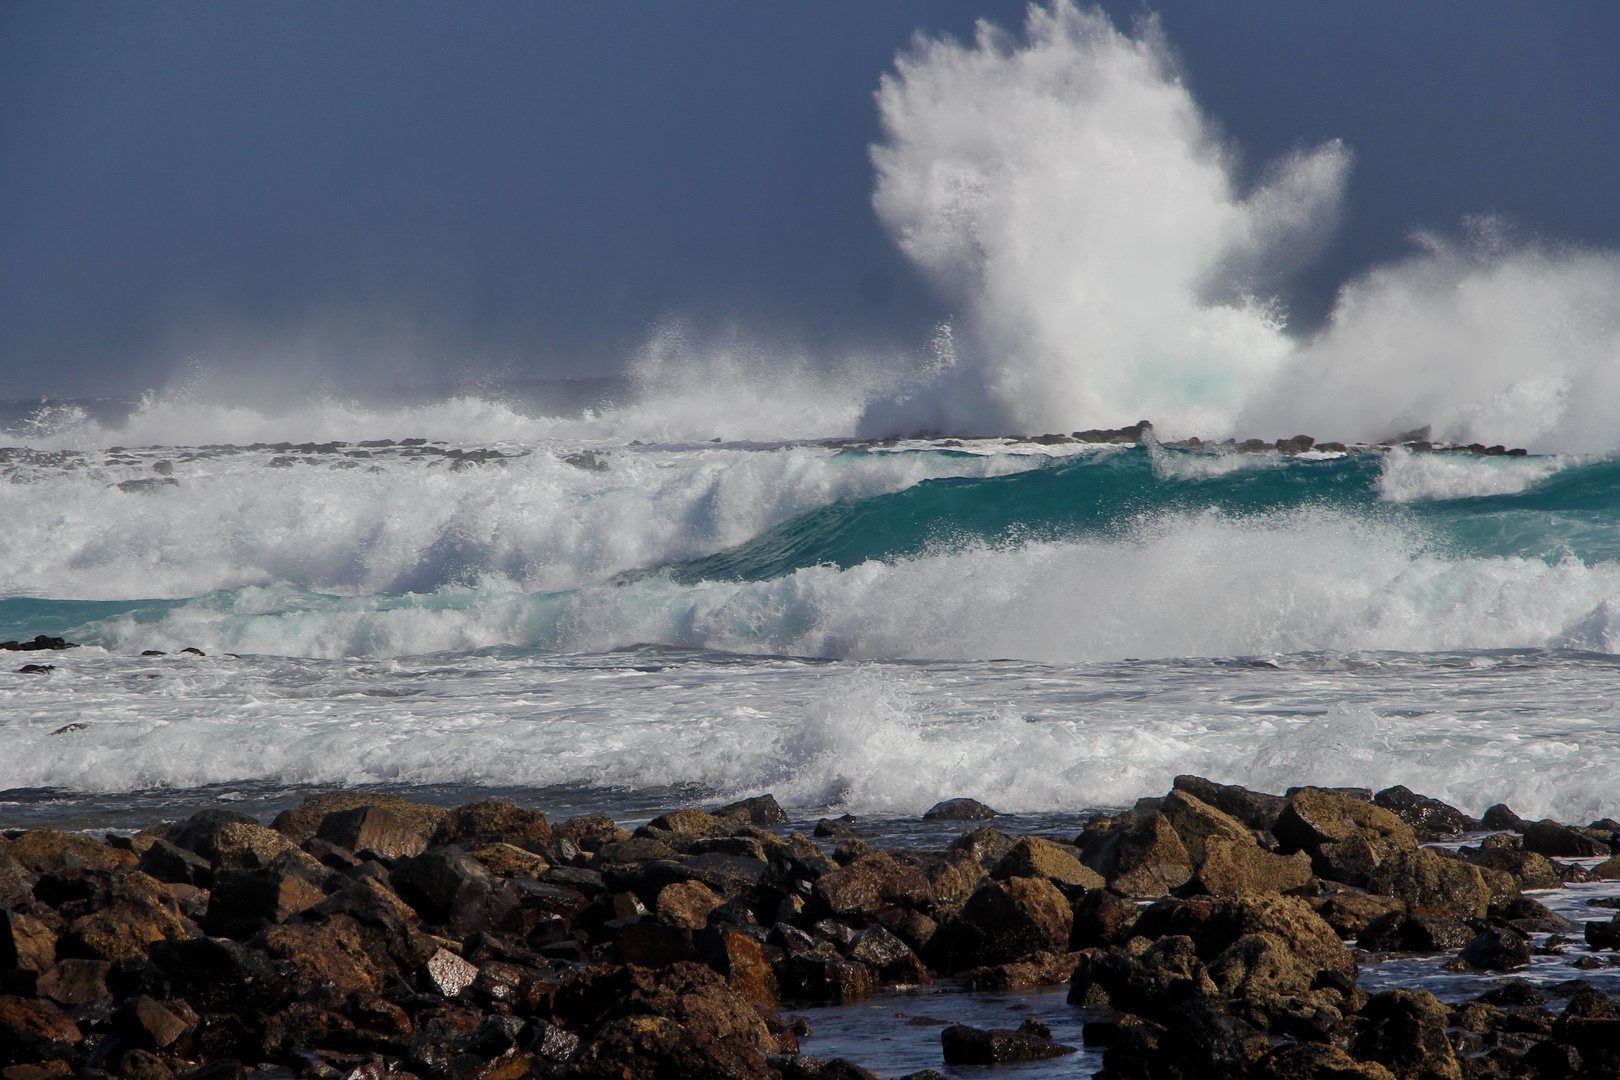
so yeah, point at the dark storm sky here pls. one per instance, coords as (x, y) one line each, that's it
(401, 190)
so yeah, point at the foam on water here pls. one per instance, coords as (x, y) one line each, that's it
(1204, 584)
(869, 738)
(1409, 477)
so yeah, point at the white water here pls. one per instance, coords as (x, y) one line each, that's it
(1111, 263)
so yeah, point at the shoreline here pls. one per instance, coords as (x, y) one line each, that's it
(1207, 932)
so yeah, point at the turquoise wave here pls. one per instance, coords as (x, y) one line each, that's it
(1574, 513)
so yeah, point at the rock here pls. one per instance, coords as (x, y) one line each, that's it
(508, 860)
(1148, 983)
(1604, 935)
(1528, 916)
(328, 953)
(40, 643)
(1254, 809)
(1549, 838)
(1038, 969)
(197, 833)
(1495, 949)
(1197, 822)
(1607, 870)
(243, 902)
(245, 845)
(840, 826)
(1346, 838)
(1216, 924)
(450, 973)
(143, 1065)
(14, 889)
(26, 943)
(46, 851)
(1397, 931)
(761, 810)
(173, 863)
(33, 1030)
(126, 915)
(1313, 1061)
(1260, 964)
(1405, 1030)
(300, 823)
(219, 975)
(1008, 920)
(1242, 868)
(1427, 880)
(1032, 856)
(868, 885)
(634, 850)
(974, 1046)
(591, 831)
(145, 1024)
(959, 810)
(886, 954)
(1142, 856)
(1102, 918)
(1504, 853)
(1349, 911)
(985, 844)
(371, 832)
(688, 904)
(75, 982)
(688, 822)
(1430, 819)
(491, 821)
(449, 887)
(1501, 817)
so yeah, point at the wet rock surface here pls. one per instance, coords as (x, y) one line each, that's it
(1206, 933)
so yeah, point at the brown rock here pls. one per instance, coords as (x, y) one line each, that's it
(984, 844)
(1350, 910)
(1008, 920)
(965, 1045)
(300, 823)
(1148, 983)
(129, 914)
(1346, 837)
(1150, 858)
(1405, 1030)
(1241, 868)
(1256, 810)
(687, 903)
(491, 821)
(371, 831)
(1035, 857)
(1216, 924)
(1258, 965)
(25, 942)
(745, 966)
(1102, 918)
(33, 1030)
(870, 884)
(507, 860)
(75, 982)
(146, 1024)
(1040, 969)
(46, 851)
(1607, 870)
(243, 902)
(690, 822)
(1314, 1061)
(1430, 883)
(330, 952)
(761, 810)
(1196, 822)
(143, 1065)
(245, 845)
(959, 810)
(591, 831)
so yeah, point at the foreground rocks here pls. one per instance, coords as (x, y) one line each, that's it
(1208, 932)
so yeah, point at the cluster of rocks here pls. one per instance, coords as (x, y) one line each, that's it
(362, 936)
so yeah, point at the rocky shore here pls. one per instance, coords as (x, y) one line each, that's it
(1214, 932)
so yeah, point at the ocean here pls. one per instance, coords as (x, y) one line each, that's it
(456, 598)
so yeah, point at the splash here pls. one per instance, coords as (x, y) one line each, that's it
(1065, 192)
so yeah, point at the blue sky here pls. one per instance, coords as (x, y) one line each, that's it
(415, 190)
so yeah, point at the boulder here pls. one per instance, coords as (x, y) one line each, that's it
(1256, 810)
(1037, 969)
(1349, 911)
(1346, 838)
(1405, 1031)
(1102, 918)
(328, 953)
(1197, 822)
(1502, 817)
(300, 823)
(590, 831)
(25, 942)
(1495, 949)
(761, 810)
(45, 851)
(75, 982)
(1257, 965)
(1149, 983)
(34, 1030)
(892, 959)
(145, 1024)
(371, 832)
(491, 821)
(1549, 838)
(246, 845)
(243, 902)
(1397, 931)
(965, 1045)
(508, 860)
(1140, 856)
(173, 863)
(687, 903)
(959, 810)
(1216, 924)
(986, 844)
(1430, 819)
(1243, 868)
(1032, 856)
(447, 886)
(1004, 921)
(1429, 882)
(870, 884)
(127, 914)
(743, 963)
(1314, 1061)
(688, 822)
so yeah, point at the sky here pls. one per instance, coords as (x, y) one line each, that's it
(406, 192)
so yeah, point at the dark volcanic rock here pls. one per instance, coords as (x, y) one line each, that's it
(448, 886)
(974, 1046)
(959, 810)
(1561, 841)
(1429, 818)
(1006, 920)
(1496, 949)
(34, 1030)
(173, 863)
(761, 810)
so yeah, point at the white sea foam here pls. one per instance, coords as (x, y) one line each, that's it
(391, 523)
(870, 738)
(1408, 477)
(1066, 192)
(1177, 585)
